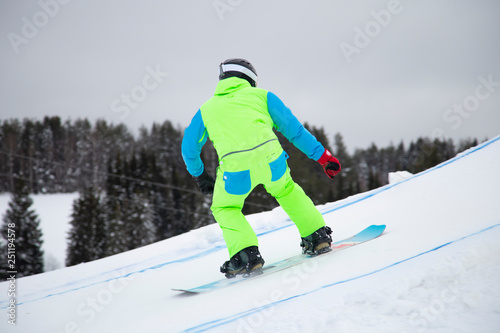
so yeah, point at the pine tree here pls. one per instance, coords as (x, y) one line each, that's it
(347, 177)
(140, 222)
(116, 203)
(140, 215)
(9, 164)
(22, 221)
(87, 237)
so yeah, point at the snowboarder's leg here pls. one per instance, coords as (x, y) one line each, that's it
(296, 204)
(315, 234)
(226, 209)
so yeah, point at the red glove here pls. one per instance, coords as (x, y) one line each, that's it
(330, 164)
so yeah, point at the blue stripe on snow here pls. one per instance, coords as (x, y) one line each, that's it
(186, 259)
(439, 166)
(229, 319)
(218, 248)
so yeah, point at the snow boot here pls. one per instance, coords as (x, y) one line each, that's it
(318, 242)
(247, 262)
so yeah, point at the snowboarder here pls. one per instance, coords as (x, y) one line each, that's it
(239, 119)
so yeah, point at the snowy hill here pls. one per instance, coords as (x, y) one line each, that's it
(435, 269)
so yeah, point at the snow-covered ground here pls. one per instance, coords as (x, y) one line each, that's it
(435, 269)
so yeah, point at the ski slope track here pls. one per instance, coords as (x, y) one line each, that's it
(435, 269)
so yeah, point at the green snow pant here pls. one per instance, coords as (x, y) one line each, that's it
(238, 175)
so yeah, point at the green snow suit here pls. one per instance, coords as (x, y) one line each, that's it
(239, 120)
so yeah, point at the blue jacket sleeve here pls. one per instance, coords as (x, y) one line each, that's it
(195, 136)
(292, 129)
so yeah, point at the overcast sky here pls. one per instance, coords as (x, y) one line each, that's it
(375, 71)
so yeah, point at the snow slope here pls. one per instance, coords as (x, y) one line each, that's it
(436, 269)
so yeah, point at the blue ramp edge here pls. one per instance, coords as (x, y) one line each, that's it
(229, 319)
(218, 248)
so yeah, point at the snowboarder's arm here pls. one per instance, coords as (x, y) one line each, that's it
(195, 136)
(292, 129)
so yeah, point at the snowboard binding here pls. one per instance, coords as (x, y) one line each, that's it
(248, 262)
(318, 242)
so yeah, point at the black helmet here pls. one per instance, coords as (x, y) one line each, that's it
(240, 68)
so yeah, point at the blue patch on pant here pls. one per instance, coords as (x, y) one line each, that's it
(278, 166)
(237, 183)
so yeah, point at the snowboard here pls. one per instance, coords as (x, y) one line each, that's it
(365, 235)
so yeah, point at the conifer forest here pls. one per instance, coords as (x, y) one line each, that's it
(134, 189)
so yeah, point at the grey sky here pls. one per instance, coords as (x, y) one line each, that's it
(375, 71)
